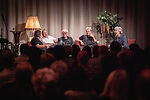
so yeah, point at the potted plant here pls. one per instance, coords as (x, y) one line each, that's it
(111, 20)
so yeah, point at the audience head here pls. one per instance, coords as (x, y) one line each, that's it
(142, 85)
(126, 59)
(7, 58)
(115, 47)
(60, 67)
(46, 59)
(24, 72)
(44, 75)
(134, 47)
(44, 81)
(59, 52)
(116, 85)
(24, 48)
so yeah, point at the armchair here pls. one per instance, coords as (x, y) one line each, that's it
(78, 43)
(131, 41)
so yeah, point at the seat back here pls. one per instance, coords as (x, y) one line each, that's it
(78, 43)
(131, 41)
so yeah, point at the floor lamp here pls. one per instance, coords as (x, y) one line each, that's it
(32, 24)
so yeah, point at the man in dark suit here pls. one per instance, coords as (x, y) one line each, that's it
(88, 39)
(65, 39)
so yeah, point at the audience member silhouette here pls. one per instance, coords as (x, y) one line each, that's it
(142, 86)
(7, 73)
(115, 47)
(23, 84)
(116, 86)
(45, 85)
(46, 59)
(24, 49)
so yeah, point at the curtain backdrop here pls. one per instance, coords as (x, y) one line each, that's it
(75, 15)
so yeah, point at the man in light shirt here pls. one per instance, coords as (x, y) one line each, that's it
(47, 39)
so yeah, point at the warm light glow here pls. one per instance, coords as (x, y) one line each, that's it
(32, 23)
(107, 28)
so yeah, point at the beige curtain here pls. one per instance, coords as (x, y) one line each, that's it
(75, 15)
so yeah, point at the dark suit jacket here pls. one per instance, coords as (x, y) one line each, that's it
(123, 40)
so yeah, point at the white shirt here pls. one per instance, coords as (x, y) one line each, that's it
(49, 39)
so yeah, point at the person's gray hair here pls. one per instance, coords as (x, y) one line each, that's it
(88, 28)
(64, 30)
(119, 29)
(37, 33)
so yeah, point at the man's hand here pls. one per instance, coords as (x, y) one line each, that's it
(92, 35)
(50, 44)
(47, 46)
(55, 41)
(81, 43)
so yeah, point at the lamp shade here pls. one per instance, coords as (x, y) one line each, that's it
(32, 23)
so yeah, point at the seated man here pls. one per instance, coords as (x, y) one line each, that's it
(88, 39)
(65, 39)
(47, 39)
(36, 41)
